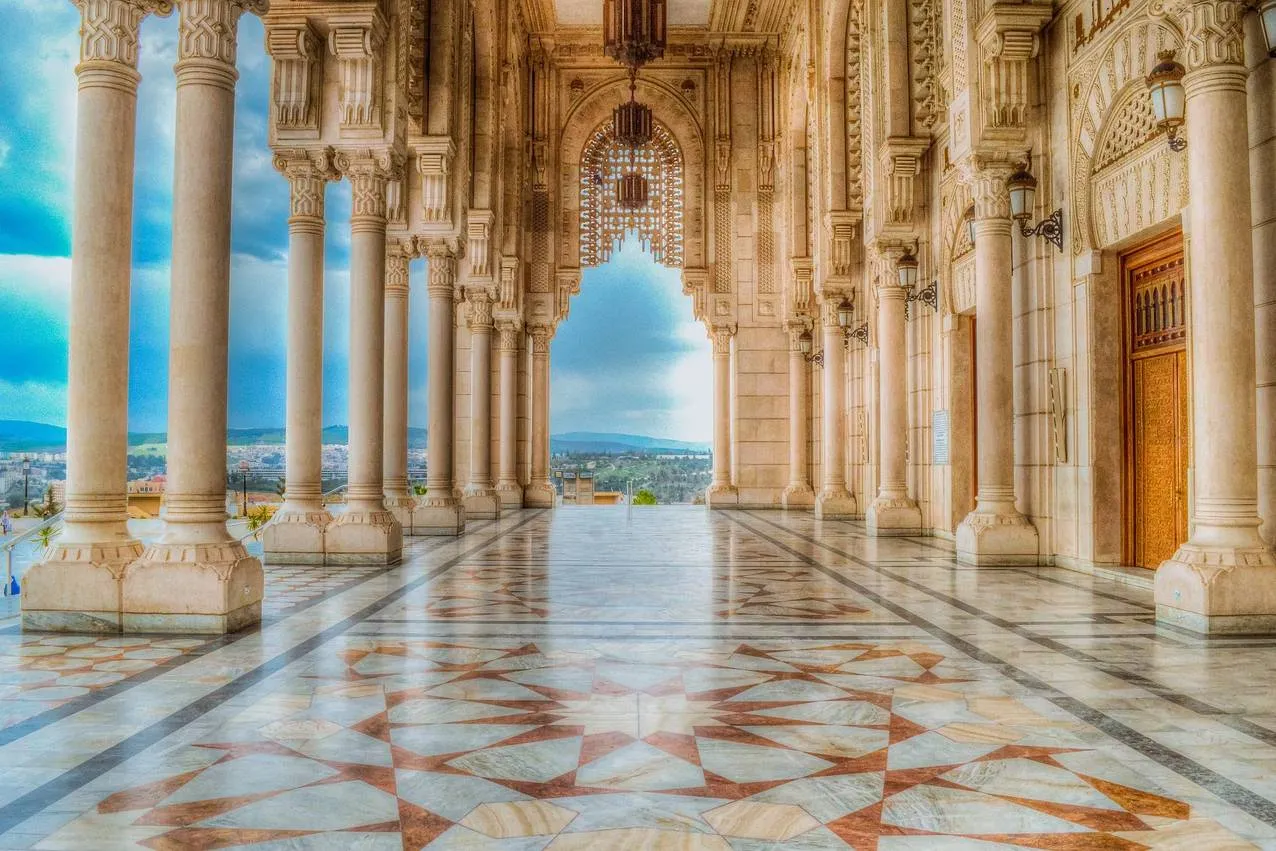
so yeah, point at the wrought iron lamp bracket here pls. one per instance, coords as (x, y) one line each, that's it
(860, 333)
(928, 295)
(1049, 228)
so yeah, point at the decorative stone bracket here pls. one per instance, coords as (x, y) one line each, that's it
(478, 235)
(802, 293)
(296, 52)
(355, 39)
(1010, 36)
(842, 226)
(435, 154)
(695, 283)
(901, 160)
(566, 285)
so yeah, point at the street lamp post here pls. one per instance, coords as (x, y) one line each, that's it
(26, 482)
(243, 474)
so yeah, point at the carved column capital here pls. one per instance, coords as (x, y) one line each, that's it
(109, 34)
(480, 313)
(829, 304)
(721, 336)
(208, 39)
(1213, 31)
(441, 262)
(796, 328)
(508, 341)
(987, 180)
(397, 276)
(369, 173)
(308, 171)
(541, 335)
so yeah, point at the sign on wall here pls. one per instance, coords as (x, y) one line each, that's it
(939, 430)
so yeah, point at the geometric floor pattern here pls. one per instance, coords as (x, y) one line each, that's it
(657, 680)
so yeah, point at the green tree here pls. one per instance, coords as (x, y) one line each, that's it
(644, 497)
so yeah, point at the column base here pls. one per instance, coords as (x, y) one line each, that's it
(201, 589)
(721, 496)
(482, 503)
(401, 507)
(443, 519)
(798, 497)
(77, 588)
(539, 495)
(987, 539)
(1218, 590)
(835, 504)
(296, 536)
(364, 537)
(511, 495)
(893, 517)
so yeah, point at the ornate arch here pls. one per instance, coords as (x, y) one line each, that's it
(685, 139)
(603, 224)
(1100, 84)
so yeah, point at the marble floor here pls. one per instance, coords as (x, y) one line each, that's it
(653, 678)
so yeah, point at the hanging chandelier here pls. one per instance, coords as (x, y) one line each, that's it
(632, 120)
(634, 31)
(631, 191)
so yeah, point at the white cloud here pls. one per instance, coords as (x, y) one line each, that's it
(43, 402)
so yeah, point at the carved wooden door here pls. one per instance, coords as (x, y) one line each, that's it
(1158, 410)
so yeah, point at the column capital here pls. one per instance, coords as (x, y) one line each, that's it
(370, 173)
(109, 34)
(509, 336)
(208, 39)
(796, 328)
(830, 302)
(1213, 31)
(480, 313)
(721, 336)
(308, 172)
(986, 176)
(441, 262)
(541, 335)
(396, 273)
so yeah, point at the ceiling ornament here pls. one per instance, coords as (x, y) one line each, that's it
(656, 217)
(634, 31)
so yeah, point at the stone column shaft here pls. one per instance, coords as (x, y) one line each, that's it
(439, 512)
(77, 587)
(834, 500)
(722, 491)
(296, 533)
(480, 496)
(799, 493)
(398, 493)
(540, 491)
(366, 532)
(1224, 578)
(995, 532)
(893, 512)
(507, 482)
(197, 577)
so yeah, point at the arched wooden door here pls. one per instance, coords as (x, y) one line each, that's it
(1157, 405)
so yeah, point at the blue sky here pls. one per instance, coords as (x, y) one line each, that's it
(650, 374)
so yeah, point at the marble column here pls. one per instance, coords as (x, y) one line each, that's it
(439, 512)
(366, 532)
(834, 500)
(77, 586)
(995, 533)
(398, 493)
(893, 512)
(539, 492)
(722, 492)
(1223, 580)
(296, 532)
(799, 493)
(481, 499)
(507, 486)
(198, 577)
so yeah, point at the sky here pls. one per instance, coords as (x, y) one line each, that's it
(650, 374)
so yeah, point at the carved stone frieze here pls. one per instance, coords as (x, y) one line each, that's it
(854, 101)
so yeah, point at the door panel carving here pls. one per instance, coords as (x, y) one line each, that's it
(1157, 403)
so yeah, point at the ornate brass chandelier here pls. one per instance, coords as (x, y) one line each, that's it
(632, 120)
(634, 31)
(631, 191)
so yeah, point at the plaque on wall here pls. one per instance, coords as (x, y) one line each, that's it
(939, 432)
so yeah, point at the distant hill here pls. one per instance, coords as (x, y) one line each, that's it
(23, 436)
(591, 441)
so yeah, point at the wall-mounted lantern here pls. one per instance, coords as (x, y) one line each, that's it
(1023, 193)
(1267, 15)
(1169, 101)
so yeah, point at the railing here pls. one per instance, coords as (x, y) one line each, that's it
(8, 547)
